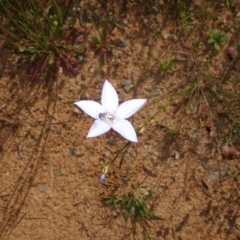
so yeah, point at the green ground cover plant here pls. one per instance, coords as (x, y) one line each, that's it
(43, 34)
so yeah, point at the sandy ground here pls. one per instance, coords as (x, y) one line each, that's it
(49, 171)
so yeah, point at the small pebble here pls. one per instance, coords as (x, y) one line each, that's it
(155, 9)
(116, 62)
(223, 170)
(229, 151)
(106, 154)
(154, 93)
(86, 16)
(110, 142)
(129, 166)
(213, 176)
(127, 84)
(76, 110)
(60, 96)
(176, 164)
(37, 137)
(112, 19)
(232, 53)
(152, 151)
(126, 156)
(72, 151)
(62, 171)
(81, 57)
(177, 155)
(148, 88)
(124, 181)
(207, 166)
(122, 42)
(42, 188)
(129, 53)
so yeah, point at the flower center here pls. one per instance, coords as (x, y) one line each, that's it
(107, 117)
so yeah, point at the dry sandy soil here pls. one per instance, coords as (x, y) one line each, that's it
(49, 171)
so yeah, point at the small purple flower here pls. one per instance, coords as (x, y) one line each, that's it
(104, 172)
(101, 179)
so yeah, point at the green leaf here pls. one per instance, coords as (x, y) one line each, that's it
(51, 58)
(47, 10)
(216, 35)
(211, 40)
(217, 47)
(223, 38)
(97, 39)
(59, 12)
(21, 49)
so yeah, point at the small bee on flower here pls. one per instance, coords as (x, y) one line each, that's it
(107, 117)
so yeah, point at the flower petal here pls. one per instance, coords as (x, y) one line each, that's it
(109, 97)
(91, 108)
(99, 127)
(101, 179)
(128, 108)
(125, 128)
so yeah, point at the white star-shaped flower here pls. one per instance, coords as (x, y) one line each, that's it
(110, 115)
